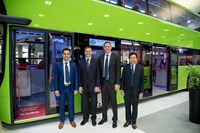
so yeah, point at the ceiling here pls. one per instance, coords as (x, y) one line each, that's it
(100, 18)
(193, 5)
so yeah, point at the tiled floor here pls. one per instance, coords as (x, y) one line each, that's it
(145, 108)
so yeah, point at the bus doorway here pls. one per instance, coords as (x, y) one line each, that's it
(160, 57)
(28, 74)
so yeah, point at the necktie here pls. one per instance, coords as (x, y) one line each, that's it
(106, 67)
(132, 74)
(67, 73)
(88, 65)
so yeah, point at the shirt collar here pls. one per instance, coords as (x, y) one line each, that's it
(65, 62)
(88, 58)
(108, 54)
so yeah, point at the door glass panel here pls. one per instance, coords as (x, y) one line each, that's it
(1, 46)
(126, 48)
(160, 67)
(173, 69)
(146, 62)
(57, 43)
(30, 77)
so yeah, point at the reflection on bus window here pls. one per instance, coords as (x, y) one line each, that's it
(159, 9)
(128, 47)
(185, 57)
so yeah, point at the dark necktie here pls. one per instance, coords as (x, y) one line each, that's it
(132, 74)
(67, 73)
(88, 65)
(106, 67)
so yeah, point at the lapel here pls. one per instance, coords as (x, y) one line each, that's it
(71, 68)
(136, 68)
(84, 64)
(61, 66)
(129, 70)
(102, 61)
(91, 62)
(111, 56)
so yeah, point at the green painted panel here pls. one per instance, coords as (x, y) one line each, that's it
(72, 16)
(183, 75)
(147, 78)
(120, 98)
(77, 103)
(5, 111)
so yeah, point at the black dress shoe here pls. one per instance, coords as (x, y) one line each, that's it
(83, 122)
(127, 124)
(134, 126)
(102, 121)
(114, 125)
(94, 123)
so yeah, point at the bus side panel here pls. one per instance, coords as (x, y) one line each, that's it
(5, 110)
(183, 75)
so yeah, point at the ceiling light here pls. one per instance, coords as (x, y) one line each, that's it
(140, 23)
(166, 30)
(163, 37)
(36, 25)
(106, 15)
(47, 2)
(182, 34)
(188, 21)
(41, 15)
(90, 24)
(120, 29)
(147, 33)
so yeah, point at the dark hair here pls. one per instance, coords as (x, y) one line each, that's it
(65, 49)
(87, 48)
(106, 42)
(133, 53)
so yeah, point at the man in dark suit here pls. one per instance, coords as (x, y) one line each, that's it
(66, 85)
(89, 82)
(132, 88)
(110, 78)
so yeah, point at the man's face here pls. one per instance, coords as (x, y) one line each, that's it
(88, 52)
(107, 48)
(133, 59)
(66, 55)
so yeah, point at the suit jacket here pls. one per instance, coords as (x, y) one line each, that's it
(59, 77)
(138, 82)
(114, 68)
(88, 81)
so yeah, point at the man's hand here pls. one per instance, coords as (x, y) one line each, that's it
(75, 92)
(141, 96)
(122, 93)
(57, 93)
(80, 89)
(116, 87)
(97, 89)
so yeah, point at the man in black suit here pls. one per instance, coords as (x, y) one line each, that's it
(132, 88)
(89, 82)
(110, 78)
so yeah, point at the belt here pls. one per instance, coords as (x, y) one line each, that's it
(105, 78)
(66, 84)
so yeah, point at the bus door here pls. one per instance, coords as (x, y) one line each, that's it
(160, 57)
(57, 42)
(173, 69)
(146, 62)
(28, 74)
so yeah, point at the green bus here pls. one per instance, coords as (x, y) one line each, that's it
(34, 32)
